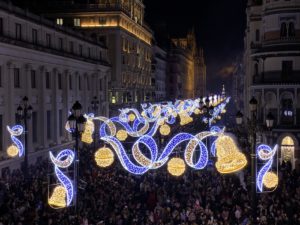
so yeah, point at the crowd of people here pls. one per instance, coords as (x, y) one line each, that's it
(114, 196)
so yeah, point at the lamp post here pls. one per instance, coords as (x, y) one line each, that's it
(94, 107)
(24, 114)
(76, 122)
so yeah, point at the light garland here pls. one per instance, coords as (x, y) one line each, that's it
(230, 159)
(265, 177)
(104, 157)
(165, 130)
(176, 167)
(17, 147)
(64, 159)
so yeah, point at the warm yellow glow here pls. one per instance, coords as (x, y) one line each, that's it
(165, 130)
(197, 111)
(176, 167)
(160, 122)
(12, 151)
(104, 157)
(58, 197)
(131, 117)
(122, 135)
(230, 159)
(270, 180)
(185, 118)
(224, 111)
(87, 135)
(287, 149)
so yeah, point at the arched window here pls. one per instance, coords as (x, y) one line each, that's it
(287, 149)
(292, 32)
(283, 30)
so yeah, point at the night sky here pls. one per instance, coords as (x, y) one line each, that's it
(219, 25)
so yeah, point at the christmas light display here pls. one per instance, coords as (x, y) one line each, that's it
(104, 157)
(122, 135)
(230, 159)
(63, 193)
(265, 177)
(165, 130)
(176, 167)
(17, 147)
(89, 128)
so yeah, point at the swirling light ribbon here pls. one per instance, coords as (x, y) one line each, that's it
(16, 131)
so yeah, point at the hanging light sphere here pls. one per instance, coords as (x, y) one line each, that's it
(12, 151)
(131, 117)
(104, 157)
(165, 130)
(58, 197)
(176, 166)
(122, 135)
(270, 180)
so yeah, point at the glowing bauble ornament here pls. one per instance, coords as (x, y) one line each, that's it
(58, 197)
(104, 157)
(270, 180)
(131, 117)
(12, 151)
(176, 166)
(122, 135)
(165, 130)
(230, 159)
(197, 111)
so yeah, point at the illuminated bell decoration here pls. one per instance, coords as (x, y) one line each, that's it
(131, 117)
(165, 130)
(197, 111)
(270, 180)
(122, 135)
(12, 151)
(58, 197)
(230, 159)
(176, 167)
(87, 135)
(104, 157)
(185, 118)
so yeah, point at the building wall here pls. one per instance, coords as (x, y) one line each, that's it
(272, 65)
(159, 70)
(53, 77)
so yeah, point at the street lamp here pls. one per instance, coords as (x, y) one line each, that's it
(239, 118)
(24, 114)
(270, 120)
(76, 122)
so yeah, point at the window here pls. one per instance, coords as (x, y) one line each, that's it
(1, 76)
(34, 36)
(1, 133)
(77, 22)
(257, 35)
(18, 31)
(292, 32)
(60, 44)
(80, 50)
(59, 81)
(70, 82)
(48, 80)
(79, 83)
(34, 127)
(287, 70)
(89, 52)
(33, 79)
(87, 83)
(1, 26)
(283, 30)
(287, 111)
(16, 77)
(100, 55)
(60, 121)
(71, 46)
(59, 21)
(48, 40)
(48, 124)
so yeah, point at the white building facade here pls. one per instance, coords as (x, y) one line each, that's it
(272, 65)
(53, 67)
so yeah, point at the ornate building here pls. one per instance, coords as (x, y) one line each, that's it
(120, 25)
(53, 67)
(186, 76)
(272, 65)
